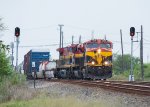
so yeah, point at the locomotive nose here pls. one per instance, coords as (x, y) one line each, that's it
(98, 55)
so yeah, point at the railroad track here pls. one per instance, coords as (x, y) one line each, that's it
(139, 88)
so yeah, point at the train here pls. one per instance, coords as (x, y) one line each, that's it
(88, 60)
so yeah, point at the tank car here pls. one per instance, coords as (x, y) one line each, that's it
(46, 70)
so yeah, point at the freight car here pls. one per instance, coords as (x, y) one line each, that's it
(46, 70)
(33, 59)
(89, 60)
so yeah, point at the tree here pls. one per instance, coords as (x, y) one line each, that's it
(117, 63)
(5, 68)
(1, 25)
(2, 46)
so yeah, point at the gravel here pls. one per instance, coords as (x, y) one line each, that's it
(91, 94)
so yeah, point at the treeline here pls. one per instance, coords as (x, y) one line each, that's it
(8, 76)
(7, 72)
(5, 67)
(120, 65)
(123, 66)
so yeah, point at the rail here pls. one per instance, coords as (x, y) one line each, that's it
(139, 88)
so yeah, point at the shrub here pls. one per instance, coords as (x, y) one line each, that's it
(5, 68)
(8, 83)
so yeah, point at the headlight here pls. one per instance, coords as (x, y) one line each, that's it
(93, 62)
(106, 63)
(99, 51)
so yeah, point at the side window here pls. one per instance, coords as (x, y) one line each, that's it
(70, 49)
(105, 45)
(112, 46)
(74, 49)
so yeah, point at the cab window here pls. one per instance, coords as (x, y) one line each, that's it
(105, 45)
(92, 45)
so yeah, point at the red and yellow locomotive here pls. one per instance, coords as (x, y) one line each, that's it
(89, 60)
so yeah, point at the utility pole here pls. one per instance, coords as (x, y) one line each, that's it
(105, 37)
(79, 39)
(122, 50)
(72, 39)
(141, 53)
(60, 34)
(92, 34)
(62, 39)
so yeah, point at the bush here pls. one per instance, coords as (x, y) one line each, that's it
(17, 79)
(147, 70)
(5, 67)
(7, 83)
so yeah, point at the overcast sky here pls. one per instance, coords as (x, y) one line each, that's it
(39, 19)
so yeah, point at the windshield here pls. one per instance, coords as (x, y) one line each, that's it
(95, 45)
(105, 45)
(92, 45)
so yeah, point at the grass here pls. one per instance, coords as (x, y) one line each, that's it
(14, 93)
(119, 77)
(56, 102)
(9, 85)
(29, 97)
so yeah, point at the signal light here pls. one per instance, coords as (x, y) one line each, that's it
(17, 31)
(132, 31)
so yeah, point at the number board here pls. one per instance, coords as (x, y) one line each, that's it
(33, 64)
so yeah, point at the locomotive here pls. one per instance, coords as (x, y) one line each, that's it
(89, 60)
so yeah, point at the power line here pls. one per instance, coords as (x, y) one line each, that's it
(128, 42)
(147, 43)
(146, 47)
(117, 51)
(76, 27)
(136, 48)
(33, 28)
(38, 28)
(146, 40)
(42, 45)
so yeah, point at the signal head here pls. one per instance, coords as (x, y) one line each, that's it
(132, 31)
(17, 31)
